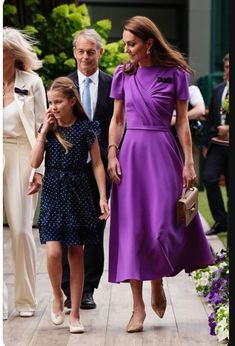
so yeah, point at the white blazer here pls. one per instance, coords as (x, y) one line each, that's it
(31, 107)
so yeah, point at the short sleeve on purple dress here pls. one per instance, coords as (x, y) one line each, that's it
(146, 242)
(181, 84)
(117, 91)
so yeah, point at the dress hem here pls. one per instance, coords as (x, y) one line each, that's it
(187, 270)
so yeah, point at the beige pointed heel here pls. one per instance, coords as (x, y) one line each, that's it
(135, 326)
(159, 302)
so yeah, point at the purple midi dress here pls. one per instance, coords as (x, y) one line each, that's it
(146, 243)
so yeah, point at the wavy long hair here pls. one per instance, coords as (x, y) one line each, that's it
(162, 53)
(20, 45)
(65, 86)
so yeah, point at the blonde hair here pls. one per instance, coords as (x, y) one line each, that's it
(20, 45)
(65, 86)
(161, 51)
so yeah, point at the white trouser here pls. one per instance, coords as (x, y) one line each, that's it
(5, 298)
(19, 209)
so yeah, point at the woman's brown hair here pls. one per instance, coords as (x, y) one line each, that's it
(65, 86)
(162, 53)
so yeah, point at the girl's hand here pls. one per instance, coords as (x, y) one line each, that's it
(35, 185)
(104, 209)
(114, 170)
(49, 121)
(188, 176)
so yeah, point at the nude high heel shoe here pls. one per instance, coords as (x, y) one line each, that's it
(135, 326)
(159, 302)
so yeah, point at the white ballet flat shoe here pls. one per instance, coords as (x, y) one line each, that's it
(57, 318)
(76, 328)
(26, 313)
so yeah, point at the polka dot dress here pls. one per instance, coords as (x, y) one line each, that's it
(67, 212)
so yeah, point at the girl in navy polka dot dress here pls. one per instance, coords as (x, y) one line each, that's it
(67, 212)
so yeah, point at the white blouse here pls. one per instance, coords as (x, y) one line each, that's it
(12, 124)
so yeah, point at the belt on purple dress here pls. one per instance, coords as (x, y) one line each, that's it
(149, 128)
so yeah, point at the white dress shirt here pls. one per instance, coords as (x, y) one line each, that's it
(93, 92)
(93, 87)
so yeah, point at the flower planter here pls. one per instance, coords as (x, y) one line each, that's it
(213, 283)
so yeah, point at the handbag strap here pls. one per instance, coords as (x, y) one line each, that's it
(183, 195)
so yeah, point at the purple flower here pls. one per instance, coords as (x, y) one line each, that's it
(212, 323)
(216, 299)
(217, 291)
(222, 256)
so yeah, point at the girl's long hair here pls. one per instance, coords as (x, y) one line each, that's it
(162, 53)
(65, 86)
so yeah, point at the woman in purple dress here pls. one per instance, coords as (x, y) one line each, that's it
(148, 173)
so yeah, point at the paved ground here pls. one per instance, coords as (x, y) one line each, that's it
(184, 323)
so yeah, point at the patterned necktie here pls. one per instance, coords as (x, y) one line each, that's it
(223, 111)
(86, 97)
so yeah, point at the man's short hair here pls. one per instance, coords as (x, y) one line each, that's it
(90, 35)
(226, 57)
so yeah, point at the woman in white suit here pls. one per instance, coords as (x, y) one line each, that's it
(24, 105)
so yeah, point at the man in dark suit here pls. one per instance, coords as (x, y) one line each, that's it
(87, 49)
(216, 152)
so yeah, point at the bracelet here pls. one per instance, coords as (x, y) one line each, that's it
(113, 145)
(41, 140)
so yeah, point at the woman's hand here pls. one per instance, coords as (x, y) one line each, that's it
(188, 175)
(35, 185)
(114, 169)
(104, 209)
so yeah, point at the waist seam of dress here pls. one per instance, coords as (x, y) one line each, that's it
(148, 128)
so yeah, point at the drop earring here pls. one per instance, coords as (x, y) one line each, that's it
(148, 51)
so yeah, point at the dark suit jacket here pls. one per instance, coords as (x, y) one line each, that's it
(213, 119)
(103, 112)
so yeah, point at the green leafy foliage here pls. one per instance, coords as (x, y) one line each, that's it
(54, 36)
(9, 10)
(103, 27)
(113, 55)
(30, 30)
